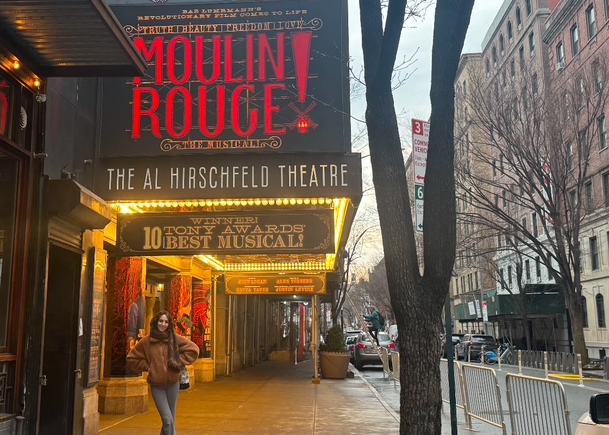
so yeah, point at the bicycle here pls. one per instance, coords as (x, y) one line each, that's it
(508, 354)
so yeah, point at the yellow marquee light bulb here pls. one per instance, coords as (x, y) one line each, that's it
(299, 201)
(16, 64)
(314, 201)
(174, 204)
(188, 204)
(257, 202)
(307, 201)
(37, 83)
(229, 202)
(292, 201)
(250, 202)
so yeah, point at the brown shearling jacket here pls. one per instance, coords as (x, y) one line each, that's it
(152, 355)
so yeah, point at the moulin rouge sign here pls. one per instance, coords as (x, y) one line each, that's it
(232, 77)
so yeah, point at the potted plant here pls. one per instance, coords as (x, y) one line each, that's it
(333, 356)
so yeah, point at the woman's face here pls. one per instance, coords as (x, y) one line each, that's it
(163, 323)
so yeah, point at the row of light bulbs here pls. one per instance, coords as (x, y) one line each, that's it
(251, 267)
(231, 202)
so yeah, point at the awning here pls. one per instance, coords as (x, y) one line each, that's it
(68, 38)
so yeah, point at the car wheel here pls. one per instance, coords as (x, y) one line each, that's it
(359, 364)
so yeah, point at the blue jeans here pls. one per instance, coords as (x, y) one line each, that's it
(166, 399)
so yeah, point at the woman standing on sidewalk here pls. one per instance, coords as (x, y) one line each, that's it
(163, 354)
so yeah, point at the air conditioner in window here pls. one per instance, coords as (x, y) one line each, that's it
(560, 65)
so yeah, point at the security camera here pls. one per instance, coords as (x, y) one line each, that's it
(41, 98)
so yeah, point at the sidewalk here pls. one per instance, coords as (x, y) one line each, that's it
(270, 398)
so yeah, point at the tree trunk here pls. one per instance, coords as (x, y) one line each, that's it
(417, 300)
(573, 302)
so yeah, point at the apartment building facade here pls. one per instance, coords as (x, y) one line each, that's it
(577, 39)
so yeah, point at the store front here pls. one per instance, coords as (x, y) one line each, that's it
(43, 228)
(230, 165)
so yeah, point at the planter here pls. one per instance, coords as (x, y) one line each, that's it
(334, 365)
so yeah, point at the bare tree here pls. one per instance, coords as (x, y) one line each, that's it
(417, 298)
(538, 143)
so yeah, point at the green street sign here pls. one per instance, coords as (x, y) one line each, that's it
(419, 192)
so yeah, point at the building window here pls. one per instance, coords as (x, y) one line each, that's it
(501, 45)
(521, 57)
(560, 56)
(538, 268)
(6, 105)
(510, 31)
(494, 54)
(534, 224)
(9, 176)
(499, 241)
(501, 278)
(518, 18)
(600, 311)
(535, 85)
(504, 199)
(501, 163)
(527, 269)
(513, 69)
(528, 6)
(572, 199)
(591, 21)
(598, 77)
(589, 198)
(594, 263)
(524, 224)
(488, 68)
(532, 43)
(574, 40)
(602, 132)
(606, 188)
(510, 276)
(584, 312)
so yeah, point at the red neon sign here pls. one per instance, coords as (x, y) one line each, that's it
(179, 65)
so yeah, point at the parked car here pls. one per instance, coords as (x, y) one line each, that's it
(473, 343)
(456, 339)
(364, 352)
(596, 421)
(351, 341)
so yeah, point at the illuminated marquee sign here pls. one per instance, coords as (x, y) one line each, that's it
(301, 175)
(305, 231)
(266, 76)
(275, 284)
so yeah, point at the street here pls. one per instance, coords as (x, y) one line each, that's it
(577, 397)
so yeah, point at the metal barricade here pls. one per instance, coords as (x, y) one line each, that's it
(395, 365)
(537, 406)
(482, 395)
(459, 393)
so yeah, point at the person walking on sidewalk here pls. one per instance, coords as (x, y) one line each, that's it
(163, 354)
(375, 323)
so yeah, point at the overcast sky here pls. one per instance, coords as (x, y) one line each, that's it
(413, 97)
(411, 100)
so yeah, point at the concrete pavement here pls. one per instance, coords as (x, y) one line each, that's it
(270, 398)
(279, 397)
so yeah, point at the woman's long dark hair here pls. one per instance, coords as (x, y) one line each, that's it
(174, 352)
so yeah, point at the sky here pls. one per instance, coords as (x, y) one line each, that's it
(411, 100)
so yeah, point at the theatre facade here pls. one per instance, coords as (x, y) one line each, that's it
(213, 179)
(228, 171)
